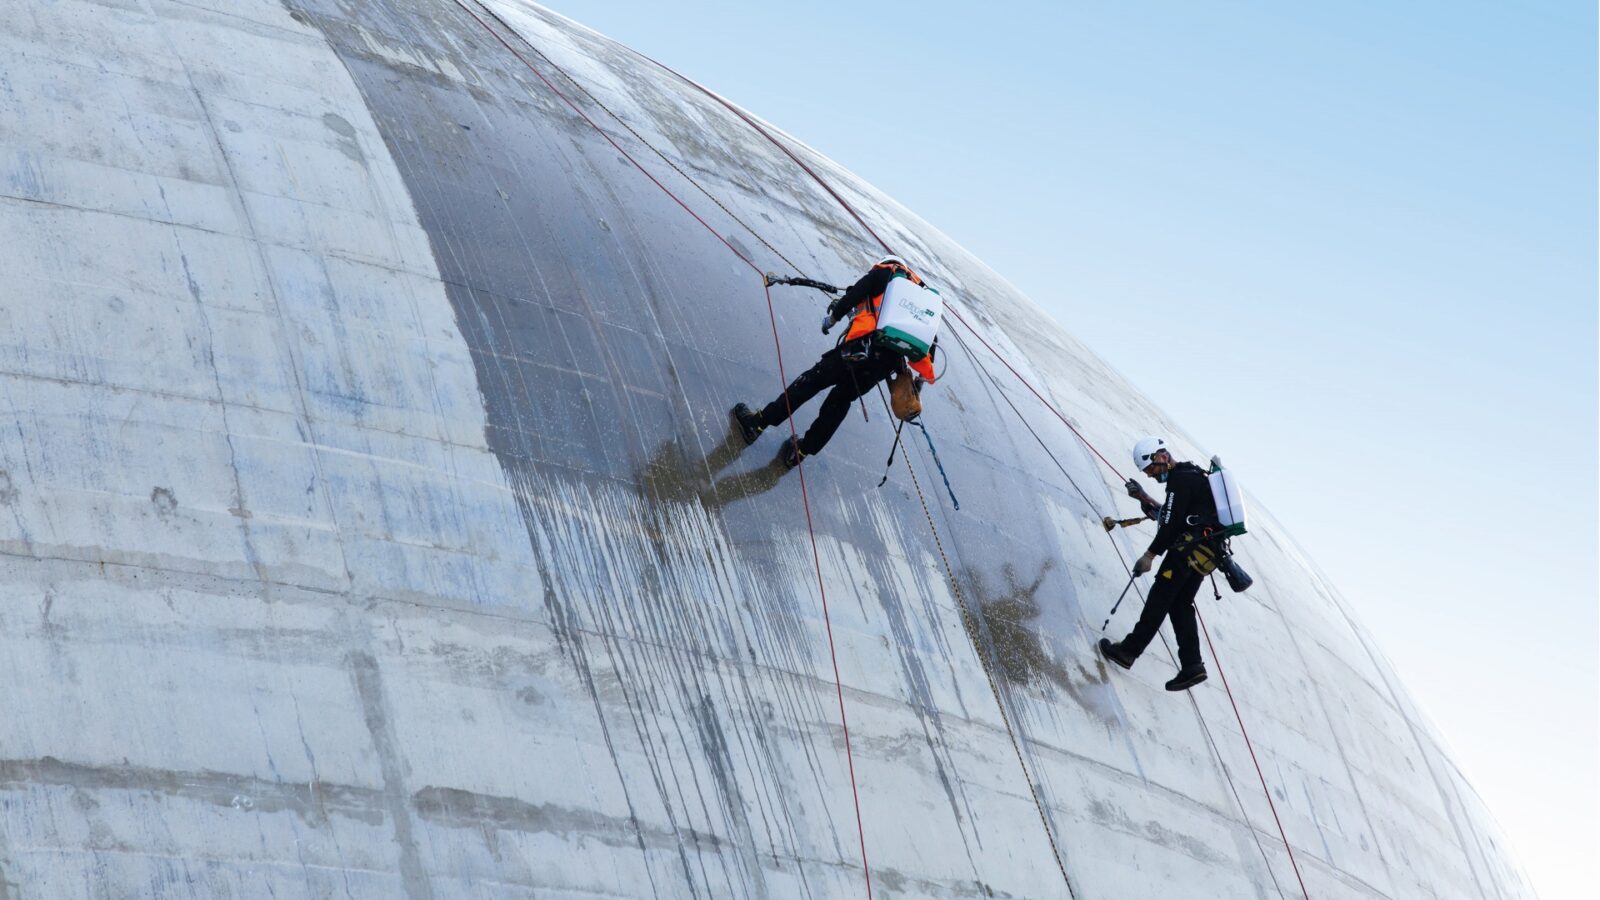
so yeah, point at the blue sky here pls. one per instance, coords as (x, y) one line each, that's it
(1387, 213)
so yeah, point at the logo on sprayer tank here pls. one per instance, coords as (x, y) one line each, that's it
(915, 311)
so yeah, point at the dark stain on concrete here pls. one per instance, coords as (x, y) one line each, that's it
(165, 503)
(1117, 819)
(313, 802)
(375, 709)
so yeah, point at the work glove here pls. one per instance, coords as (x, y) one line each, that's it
(1144, 564)
(827, 321)
(1135, 490)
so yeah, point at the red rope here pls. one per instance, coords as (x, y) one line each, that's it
(827, 621)
(772, 316)
(775, 142)
(1048, 405)
(1270, 805)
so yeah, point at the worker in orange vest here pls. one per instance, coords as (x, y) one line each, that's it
(850, 369)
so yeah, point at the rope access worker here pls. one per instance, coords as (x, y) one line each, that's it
(864, 356)
(1189, 513)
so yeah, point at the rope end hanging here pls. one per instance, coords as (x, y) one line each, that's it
(925, 436)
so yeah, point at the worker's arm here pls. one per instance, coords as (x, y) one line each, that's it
(870, 285)
(1148, 506)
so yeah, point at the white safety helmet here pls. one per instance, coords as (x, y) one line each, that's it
(1146, 448)
(891, 259)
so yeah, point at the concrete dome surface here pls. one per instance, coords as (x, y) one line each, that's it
(374, 526)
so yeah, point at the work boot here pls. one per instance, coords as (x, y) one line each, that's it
(1115, 652)
(790, 452)
(750, 426)
(1187, 677)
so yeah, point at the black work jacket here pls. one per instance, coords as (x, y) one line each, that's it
(870, 285)
(1189, 506)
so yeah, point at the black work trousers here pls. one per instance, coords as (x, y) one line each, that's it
(1171, 598)
(848, 381)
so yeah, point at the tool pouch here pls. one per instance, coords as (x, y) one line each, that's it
(903, 398)
(1203, 559)
(1238, 579)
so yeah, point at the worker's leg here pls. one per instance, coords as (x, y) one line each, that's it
(855, 381)
(1182, 614)
(829, 371)
(1155, 610)
(1171, 578)
(835, 407)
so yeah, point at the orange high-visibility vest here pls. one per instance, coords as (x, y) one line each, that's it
(865, 321)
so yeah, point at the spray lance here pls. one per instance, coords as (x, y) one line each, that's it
(772, 278)
(1117, 604)
(1151, 510)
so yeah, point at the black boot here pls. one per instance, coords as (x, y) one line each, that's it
(1115, 653)
(1187, 677)
(790, 453)
(750, 426)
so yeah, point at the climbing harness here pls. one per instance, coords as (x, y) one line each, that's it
(1203, 559)
(1211, 550)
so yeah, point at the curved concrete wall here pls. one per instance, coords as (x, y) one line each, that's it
(372, 526)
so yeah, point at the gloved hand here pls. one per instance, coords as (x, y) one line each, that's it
(827, 321)
(1144, 564)
(1135, 490)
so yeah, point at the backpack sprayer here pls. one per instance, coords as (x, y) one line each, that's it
(1230, 515)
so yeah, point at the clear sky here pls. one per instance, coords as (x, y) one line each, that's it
(1384, 212)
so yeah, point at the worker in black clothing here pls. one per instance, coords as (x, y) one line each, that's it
(1188, 514)
(850, 369)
